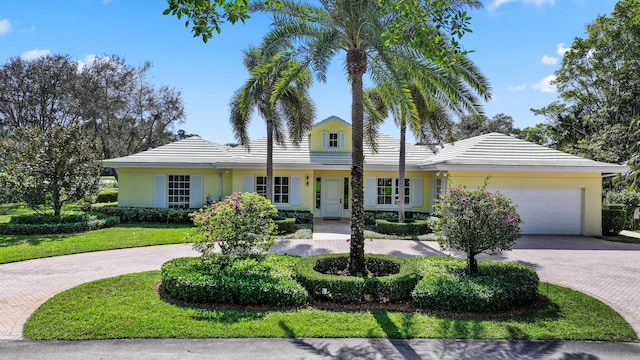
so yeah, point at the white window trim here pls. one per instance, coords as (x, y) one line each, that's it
(434, 192)
(407, 205)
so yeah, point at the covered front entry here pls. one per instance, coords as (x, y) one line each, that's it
(331, 197)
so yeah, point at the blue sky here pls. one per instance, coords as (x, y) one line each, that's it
(517, 44)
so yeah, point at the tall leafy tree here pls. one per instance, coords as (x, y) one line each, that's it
(38, 93)
(355, 29)
(420, 98)
(633, 177)
(123, 110)
(49, 167)
(114, 101)
(291, 106)
(473, 125)
(599, 84)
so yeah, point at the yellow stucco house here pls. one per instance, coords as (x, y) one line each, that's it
(556, 193)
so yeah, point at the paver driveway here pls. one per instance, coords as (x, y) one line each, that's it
(605, 270)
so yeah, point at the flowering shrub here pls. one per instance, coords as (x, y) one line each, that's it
(241, 224)
(474, 221)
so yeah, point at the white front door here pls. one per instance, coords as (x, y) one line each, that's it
(331, 203)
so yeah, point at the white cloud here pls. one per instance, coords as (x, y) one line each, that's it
(561, 49)
(34, 54)
(5, 26)
(545, 85)
(521, 87)
(549, 60)
(30, 30)
(497, 3)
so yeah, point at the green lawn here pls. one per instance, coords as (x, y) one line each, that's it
(24, 247)
(129, 307)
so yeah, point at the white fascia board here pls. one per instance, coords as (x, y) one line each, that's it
(158, 165)
(612, 169)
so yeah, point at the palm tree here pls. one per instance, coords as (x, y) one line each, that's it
(424, 103)
(355, 27)
(291, 105)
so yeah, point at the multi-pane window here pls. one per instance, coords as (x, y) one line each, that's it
(280, 189)
(407, 197)
(439, 189)
(261, 185)
(333, 140)
(388, 189)
(179, 191)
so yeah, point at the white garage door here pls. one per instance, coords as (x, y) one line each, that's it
(548, 210)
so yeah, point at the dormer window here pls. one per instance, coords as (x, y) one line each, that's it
(333, 140)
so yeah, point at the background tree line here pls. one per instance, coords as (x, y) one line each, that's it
(58, 118)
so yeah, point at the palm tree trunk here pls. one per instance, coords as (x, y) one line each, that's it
(357, 66)
(270, 160)
(401, 170)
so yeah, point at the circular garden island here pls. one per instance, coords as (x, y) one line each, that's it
(235, 235)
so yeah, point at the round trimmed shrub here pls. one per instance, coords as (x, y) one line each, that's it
(243, 282)
(50, 224)
(391, 279)
(498, 286)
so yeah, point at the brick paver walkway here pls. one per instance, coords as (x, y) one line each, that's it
(605, 270)
(25, 285)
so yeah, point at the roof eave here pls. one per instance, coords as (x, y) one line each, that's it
(603, 169)
(147, 165)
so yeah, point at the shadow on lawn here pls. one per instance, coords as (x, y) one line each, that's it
(10, 240)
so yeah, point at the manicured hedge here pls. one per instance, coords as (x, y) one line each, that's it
(156, 215)
(370, 216)
(302, 217)
(315, 274)
(107, 196)
(50, 224)
(410, 227)
(613, 219)
(286, 225)
(498, 286)
(162, 215)
(244, 282)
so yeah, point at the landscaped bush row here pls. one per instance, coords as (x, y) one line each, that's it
(286, 225)
(107, 196)
(438, 283)
(613, 218)
(302, 217)
(315, 274)
(411, 227)
(498, 286)
(370, 216)
(49, 224)
(158, 215)
(243, 282)
(135, 214)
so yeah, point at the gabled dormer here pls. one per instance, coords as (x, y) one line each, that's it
(331, 134)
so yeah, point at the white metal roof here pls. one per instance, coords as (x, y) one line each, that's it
(190, 152)
(496, 151)
(493, 151)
